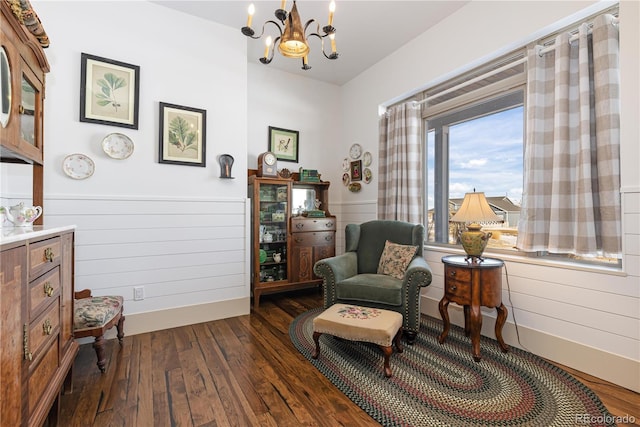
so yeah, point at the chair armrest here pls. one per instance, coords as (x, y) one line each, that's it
(333, 270)
(418, 272)
(338, 267)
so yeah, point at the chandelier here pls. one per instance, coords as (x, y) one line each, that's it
(292, 41)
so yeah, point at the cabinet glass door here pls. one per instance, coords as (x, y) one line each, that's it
(29, 101)
(272, 232)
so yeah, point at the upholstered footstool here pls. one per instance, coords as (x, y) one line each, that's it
(355, 323)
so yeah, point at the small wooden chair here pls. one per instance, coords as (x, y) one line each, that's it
(93, 316)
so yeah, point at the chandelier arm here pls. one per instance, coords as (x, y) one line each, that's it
(268, 60)
(333, 55)
(249, 32)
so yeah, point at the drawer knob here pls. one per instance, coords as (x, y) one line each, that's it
(329, 224)
(299, 239)
(453, 288)
(328, 238)
(48, 254)
(46, 327)
(299, 226)
(453, 273)
(48, 289)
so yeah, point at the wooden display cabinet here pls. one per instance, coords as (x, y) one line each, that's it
(285, 246)
(24, 66)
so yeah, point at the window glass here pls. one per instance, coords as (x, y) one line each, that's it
(476, 148)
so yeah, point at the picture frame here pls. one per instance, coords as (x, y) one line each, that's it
(183, 135)
(284, 143)
(356, 170)
(109, 92)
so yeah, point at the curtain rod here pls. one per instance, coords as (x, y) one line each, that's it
(573, 37)
(544, 50)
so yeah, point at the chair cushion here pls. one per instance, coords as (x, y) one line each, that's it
(95, 312)
(375, 288)
(395, 259)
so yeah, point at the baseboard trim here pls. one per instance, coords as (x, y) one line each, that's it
(607, 366)
(150, 321)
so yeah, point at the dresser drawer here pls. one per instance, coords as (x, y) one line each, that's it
(43, 256)
(457, 284)
(320, 238)
(43, 327)
(302, 224)
(458, 274)
(43, 290)
(42, 375)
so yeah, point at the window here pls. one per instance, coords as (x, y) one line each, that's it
(477, 147)
(474, 138)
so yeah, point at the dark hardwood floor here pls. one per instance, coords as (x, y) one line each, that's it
(242, 371)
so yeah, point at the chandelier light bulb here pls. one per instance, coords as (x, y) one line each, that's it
(332, 8)
(267, 46)
(251, 10)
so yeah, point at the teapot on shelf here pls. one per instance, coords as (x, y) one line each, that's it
(20, 215)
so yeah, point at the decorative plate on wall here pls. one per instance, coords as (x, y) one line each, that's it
(366, 159)
(346, 165)
(117, 146)
(368, 176)
(78, 166)
(355, 151)
(346, 179)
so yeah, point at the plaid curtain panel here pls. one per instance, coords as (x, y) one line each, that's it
(400, 192)
(571, 200)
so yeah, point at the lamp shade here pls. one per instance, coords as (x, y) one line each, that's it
(293, 43)
(475, 208)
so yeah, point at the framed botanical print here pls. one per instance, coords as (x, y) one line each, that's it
(284, 144)
(109, 92)
(182, 135)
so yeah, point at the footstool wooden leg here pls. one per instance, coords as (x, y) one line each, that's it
(316, 339)
(388, 350)
(397, 340)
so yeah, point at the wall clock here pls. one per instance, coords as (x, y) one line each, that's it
(267, 165)
(355, 151)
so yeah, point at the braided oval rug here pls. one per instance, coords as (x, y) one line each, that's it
(441, 385)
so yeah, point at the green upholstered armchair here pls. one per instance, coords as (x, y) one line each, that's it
(352, 278)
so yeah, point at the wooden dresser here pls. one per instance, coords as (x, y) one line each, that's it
(312, 239)
(36, 324)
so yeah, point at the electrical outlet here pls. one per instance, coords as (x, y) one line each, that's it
(138, 293)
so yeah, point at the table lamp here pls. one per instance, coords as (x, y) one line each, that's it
(475, 209)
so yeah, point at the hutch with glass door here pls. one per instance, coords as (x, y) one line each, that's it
(23, 66)
(286, 242)
(36, 264)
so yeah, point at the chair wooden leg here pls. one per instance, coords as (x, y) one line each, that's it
(98, 345)
(120, 328)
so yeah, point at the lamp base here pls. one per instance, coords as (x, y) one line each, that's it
(474, 240)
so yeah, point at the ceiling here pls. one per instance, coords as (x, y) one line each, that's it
(366, 31)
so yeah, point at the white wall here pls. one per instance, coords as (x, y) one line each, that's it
(588, 319)
(288, 101)
(178, 231)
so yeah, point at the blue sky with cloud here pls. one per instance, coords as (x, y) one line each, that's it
(486, 154)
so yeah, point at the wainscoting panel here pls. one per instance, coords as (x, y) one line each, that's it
(183, 252)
